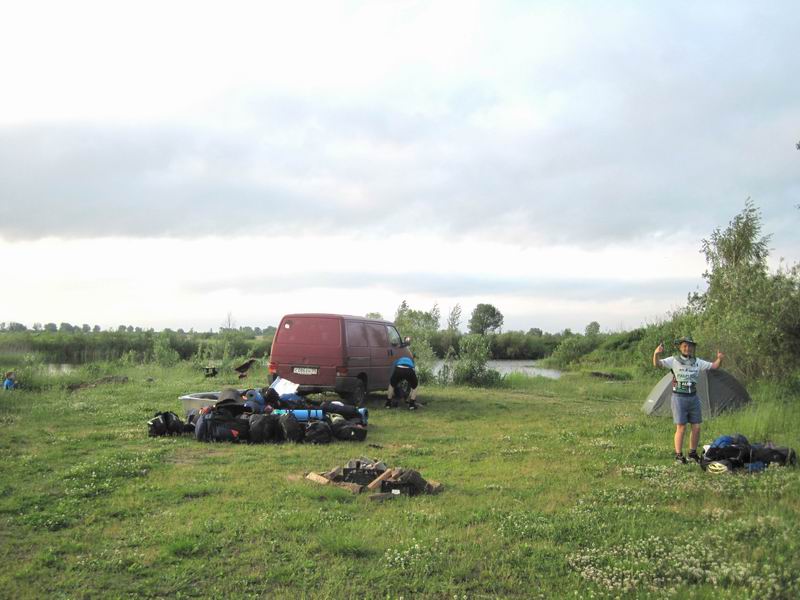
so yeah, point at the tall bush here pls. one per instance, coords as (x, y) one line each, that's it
(470, 368)
(747, 312)
(422, 327)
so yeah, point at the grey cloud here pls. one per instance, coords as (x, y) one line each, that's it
(668, 128)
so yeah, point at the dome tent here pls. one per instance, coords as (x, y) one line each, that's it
(718, 390)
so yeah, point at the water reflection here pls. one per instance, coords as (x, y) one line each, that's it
(526, 367)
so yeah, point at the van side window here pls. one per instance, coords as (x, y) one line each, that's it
(376, 334)
(356, 334)
(394, 337)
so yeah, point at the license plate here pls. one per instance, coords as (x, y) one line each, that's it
(304, 371)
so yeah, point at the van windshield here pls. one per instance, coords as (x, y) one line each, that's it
(312, 330)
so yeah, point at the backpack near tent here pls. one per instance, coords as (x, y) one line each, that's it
(719, 391)
(730, 453)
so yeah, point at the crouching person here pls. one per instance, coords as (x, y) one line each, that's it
(403, 384)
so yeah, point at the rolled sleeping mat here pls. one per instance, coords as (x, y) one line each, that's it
(302, 415)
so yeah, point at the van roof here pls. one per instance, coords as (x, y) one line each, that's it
(335, 316)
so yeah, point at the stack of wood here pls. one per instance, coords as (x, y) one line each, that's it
(367, 475)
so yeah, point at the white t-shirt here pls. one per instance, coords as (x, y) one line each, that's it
(685, 376)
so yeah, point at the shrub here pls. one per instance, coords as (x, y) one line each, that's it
(163, 352)
(470, 369)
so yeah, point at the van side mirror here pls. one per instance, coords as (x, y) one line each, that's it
(406, 341)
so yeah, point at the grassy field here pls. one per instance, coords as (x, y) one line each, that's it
(553, 489)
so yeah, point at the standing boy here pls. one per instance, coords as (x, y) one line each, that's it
(685, 369)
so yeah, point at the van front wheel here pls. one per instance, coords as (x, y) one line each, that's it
(358, 396)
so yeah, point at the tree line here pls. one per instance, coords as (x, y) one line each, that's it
(77, 346)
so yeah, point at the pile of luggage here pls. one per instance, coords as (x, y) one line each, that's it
(729, 453)
(233, 420)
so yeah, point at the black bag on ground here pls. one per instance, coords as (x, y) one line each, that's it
(264, 428)
(202, 427)
(349, 431)
(225, 427)
(164, 423)
(221, 426)
(191, 420)
(348, 411)
(780, 456)
(291, 428)
(734, 448)
(735, 453)
(318, 432)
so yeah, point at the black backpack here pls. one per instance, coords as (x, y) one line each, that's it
(779, 456)
(220, 425)
(202, 427)
(291, 428)
(191, 420)
(226, 427)
(350, 432)
(318, 432)
(164, 423)
(264, 428)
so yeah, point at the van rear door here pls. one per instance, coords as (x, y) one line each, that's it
(308, 349)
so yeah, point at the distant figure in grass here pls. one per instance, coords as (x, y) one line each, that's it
(403, 384)
(685, 369)
(10, 381)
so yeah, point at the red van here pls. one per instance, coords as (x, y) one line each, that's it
(351, 356)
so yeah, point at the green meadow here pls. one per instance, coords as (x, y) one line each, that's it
(553, 488)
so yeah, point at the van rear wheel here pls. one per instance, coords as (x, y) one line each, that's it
(358, 396)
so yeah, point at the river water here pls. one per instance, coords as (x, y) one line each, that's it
(526, 367)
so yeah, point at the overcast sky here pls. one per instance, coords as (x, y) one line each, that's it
(163, 164)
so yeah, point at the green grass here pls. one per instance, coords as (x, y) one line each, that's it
(553, 488)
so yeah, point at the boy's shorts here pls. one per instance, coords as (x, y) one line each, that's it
(686, 409)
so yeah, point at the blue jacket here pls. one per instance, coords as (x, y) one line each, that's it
(404, 362)
(8, 384)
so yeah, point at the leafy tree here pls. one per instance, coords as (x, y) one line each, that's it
(454, 318)
(485, 319)
(592, 329)
(747, 312)
(16, 327)
(422, 327)
(52, 327)
(408, 319)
